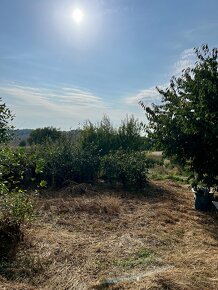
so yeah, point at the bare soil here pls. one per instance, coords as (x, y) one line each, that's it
(106, 239)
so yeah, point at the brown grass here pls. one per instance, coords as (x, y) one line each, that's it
(110, 240)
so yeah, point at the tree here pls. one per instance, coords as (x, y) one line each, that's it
(105, 138)
(101, 136)
(43, 135)
(185, 124)
(5, 118)
(129, 134)
(22, 143)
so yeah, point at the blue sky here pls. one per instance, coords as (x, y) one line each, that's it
(55, 72)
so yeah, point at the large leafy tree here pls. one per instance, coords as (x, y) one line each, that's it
(5, 118)
(43, 135)
(185, 124)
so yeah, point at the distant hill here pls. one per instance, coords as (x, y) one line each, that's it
(20, 135)
(23, 135)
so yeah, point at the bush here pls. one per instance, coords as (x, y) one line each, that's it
(43, 135)
(128, 168)
(15, 209)
(5, 118)
(20, 167)
(105, 138)
(65, 160)
(129, 137)
(22, 143)
(11, 235)
(101, 136)
(50, 164)
(17, 169)
(87, 164)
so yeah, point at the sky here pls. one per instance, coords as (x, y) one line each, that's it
(57, 72)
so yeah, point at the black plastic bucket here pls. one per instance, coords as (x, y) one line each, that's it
(203, 200)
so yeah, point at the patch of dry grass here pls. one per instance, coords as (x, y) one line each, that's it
(155, 241)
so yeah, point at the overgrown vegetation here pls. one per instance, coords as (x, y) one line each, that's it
(15, 207)
(106, 138)
(128, 168)
(43, 135)
(5, 118)
(99, 150)
(185, 124)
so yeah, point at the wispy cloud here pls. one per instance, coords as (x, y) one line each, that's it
(151, 95)
(66, 104)
(63, 107)
(56, 100)
(187, 59)
(147, 96)
(80, 97)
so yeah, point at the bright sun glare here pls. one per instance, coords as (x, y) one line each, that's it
(78, 16)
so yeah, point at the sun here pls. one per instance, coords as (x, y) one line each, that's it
(78, 16)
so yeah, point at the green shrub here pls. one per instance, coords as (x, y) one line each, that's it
(87, 164)
(43, 135)
(5, 127)
(128, 168)
(20, 167)
(129, 137)
(105, 138)
(101, 136)
(65, 160)
(15, 209)
(22, 143)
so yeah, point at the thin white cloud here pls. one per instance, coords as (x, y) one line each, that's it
(147, 96)
(61, 107)
(53, 100)
(81, 98)
(66, 106)
(58, 106)
(151, 95)
(187, 59)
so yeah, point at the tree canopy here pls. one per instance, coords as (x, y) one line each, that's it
(185, 124)
(104, 137)
(43, 135)
(5, 118)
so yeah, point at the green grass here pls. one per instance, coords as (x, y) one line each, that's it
(141, 257)
(176, 178)
(165, 169)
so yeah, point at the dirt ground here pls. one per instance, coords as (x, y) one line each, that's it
(106, 239)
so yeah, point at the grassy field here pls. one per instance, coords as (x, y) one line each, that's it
(95, 238)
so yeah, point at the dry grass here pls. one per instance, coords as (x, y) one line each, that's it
(108, 240)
